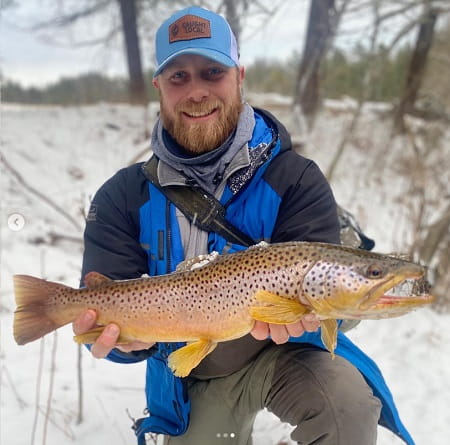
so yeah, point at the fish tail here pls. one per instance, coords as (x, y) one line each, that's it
(35, 316)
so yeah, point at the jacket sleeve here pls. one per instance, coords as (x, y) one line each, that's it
(308, 210)
(111, 238)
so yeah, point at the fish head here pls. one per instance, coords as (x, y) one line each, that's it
(353, 283)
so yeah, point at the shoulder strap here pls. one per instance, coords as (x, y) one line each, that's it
(199, 206)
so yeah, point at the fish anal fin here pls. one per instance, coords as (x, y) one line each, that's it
(329, 332)
(276, 309)
(95, 279)
(92, 335)
(183, 360)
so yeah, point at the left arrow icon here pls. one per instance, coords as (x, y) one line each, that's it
(16, 222)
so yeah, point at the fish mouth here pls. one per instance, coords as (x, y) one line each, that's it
(398, 295)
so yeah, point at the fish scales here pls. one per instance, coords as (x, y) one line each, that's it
(221, 300)
(211, 301)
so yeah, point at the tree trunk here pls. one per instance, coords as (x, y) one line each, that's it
(137, 88)
(232, 16)
(416, 68)
(319, 32)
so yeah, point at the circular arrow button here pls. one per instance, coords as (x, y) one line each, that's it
(16, 222)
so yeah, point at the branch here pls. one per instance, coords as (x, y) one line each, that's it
(400, 11)
(361, 99)
(50, 386)
(37, 193)
(402, 33)
(436, 233)
(82, 43)
(80, 384)
(64, 20)
(22, 403)
(38, 389)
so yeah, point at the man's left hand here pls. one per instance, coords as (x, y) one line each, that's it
(280, 333)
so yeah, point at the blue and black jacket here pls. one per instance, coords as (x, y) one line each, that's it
(132, 229)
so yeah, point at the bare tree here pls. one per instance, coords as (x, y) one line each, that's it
(323, 22)
(233, 16)
(137, 87)
(123, 18)
(318, 34)
(417, 65)
(237, 11)
(367, 81)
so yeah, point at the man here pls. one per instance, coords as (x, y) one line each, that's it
(206, 136)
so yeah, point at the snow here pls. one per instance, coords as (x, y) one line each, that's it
(66, 153)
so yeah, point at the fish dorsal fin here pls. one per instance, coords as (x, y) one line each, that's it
(196, 262)
(95, 279)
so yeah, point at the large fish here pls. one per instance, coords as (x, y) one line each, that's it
(220, 301)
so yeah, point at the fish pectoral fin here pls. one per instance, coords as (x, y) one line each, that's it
(91, 336)
(183, 360)
(329, 332)
(277, 310)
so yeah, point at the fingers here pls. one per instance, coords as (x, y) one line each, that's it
(260, 330)
(295, 329)
(277, 332)
(310, 322)
(106, 341)
(85, 322)
(280, 333)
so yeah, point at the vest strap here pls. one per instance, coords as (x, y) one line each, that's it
(199, 206)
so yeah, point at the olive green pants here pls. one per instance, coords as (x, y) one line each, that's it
(328, 401)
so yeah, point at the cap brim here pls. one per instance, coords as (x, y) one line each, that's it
(211, 54)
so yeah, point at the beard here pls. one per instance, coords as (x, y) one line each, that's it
(202, 137)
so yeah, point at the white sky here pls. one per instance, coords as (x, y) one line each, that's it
(31, 59)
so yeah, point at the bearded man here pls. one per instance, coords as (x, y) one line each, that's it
(208, 138)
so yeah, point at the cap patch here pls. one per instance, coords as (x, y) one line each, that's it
(189, 27)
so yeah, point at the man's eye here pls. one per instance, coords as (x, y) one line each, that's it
(178, 75)
(214, 73)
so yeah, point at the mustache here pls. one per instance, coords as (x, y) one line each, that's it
(205, 107)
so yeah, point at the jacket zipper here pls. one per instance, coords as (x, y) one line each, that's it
(168, 238)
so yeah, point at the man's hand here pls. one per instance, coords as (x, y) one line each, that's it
(107, 339)
(280, 333)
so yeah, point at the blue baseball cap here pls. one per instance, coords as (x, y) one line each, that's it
(195, 30)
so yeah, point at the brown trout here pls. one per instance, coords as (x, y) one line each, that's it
(220, 301)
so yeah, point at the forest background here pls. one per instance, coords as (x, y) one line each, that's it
(401, 59)
(374, 115)
(377, 67)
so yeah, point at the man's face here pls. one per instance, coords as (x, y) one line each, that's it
(200, 101)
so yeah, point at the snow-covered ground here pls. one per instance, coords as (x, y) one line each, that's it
(66, 153)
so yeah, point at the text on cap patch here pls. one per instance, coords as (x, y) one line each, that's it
(189, 27)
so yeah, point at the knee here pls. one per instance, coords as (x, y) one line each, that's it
(344, 397)
(328, 400)
(355, 412)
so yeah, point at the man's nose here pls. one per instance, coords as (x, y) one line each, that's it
(198, 91)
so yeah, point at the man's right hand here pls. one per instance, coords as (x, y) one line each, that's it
(107, 339)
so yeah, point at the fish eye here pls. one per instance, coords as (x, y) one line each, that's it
(374, 271)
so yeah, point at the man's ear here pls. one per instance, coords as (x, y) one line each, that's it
(155, 83)
(241, 74)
